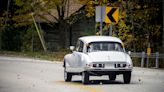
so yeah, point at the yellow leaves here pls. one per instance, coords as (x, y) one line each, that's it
(156, 30)
(90, 6)
(2, 21)
(83, 1)
(90, 12)
(123, 14)
(90, 9)
(19, 2)
(91, 3)
(21, 17)
(21, 20)
(138, 6)
(124, 33)
(58, 2)
(98, 33)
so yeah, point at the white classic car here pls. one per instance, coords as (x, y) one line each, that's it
(97, 56)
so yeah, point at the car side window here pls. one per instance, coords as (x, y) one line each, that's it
(79, 46)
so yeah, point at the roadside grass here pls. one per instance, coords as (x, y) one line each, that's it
(52, 56)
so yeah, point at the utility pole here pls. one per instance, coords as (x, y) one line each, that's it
(39, 34)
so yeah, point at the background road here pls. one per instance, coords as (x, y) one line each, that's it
(31, 75)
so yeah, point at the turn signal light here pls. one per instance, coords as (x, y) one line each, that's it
(94, 65)
(98, 65)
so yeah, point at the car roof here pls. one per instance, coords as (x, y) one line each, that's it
(89, 39)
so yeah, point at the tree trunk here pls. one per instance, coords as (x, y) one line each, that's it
(62, 34)
(163, 27)
(0, 39)
(62, 27)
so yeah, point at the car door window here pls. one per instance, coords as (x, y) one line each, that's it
(79, 46)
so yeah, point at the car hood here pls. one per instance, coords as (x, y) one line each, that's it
(113, 56)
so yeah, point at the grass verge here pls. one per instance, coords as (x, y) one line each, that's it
(52, 56)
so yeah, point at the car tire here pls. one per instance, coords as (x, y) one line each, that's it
(85, 77)
(112, 77)
(67, 76)
(127, 77)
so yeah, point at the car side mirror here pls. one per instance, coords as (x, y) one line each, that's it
(72, 48)
(129, 52)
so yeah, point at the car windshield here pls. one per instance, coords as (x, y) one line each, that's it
(104, 46)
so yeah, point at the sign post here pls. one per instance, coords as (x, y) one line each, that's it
(111, 17)
(100, 16)
(110, 31)
(101, 20)
(108, 15)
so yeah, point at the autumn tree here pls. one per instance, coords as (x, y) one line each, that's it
(138, 25)
(53, 12)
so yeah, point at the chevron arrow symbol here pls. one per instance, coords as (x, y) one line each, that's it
(110, 14)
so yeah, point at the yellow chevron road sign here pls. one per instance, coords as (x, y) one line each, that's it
(112, 14)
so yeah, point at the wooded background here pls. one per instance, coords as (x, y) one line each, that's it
(61, 22)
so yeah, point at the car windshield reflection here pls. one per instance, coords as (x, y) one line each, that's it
(104, 46)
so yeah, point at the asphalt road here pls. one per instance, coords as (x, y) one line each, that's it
(31, 75)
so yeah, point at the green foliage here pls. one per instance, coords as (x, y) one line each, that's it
(147, 25)
(2, 21)
(139, 22)
(11, 39)
(19, 15)
(30, 40)
(27, 44)
(125, 34)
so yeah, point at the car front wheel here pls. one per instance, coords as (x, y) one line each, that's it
(85, 77)
(67, 76)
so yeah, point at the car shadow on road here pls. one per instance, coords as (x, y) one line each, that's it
(100, 82)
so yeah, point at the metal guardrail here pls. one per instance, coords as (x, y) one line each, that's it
(144, 56)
